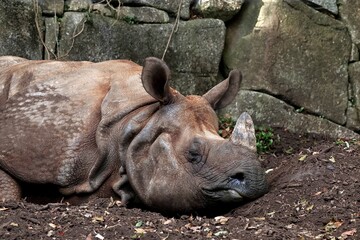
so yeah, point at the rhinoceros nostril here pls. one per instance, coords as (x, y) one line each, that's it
(239, 177)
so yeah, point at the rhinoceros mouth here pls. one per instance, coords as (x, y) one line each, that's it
(223, 195)
(229, 192)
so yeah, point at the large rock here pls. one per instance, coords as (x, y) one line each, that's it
(19, 35)
(293, 52)
(267, 110)
(349, 14)
(354, 103)
(193, 53)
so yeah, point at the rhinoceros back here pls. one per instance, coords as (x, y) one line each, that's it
(51, 113)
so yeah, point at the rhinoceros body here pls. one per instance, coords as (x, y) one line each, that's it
(116, 128)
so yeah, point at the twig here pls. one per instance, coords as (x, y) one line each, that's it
(74, 36)
(31, 219)
(173, 30)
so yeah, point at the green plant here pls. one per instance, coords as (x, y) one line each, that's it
(139, 231)
(130, 19)
(352, 102)
(299, 110)
(346, 143)
(226, 126)
(264, 139)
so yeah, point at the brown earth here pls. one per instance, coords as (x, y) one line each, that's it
(315, 194)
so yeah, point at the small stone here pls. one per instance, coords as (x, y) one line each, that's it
(77, 5)
(220, 9)
(170, 6)
(51, 8)
(143, 15)
(102, 10)
(330, 167)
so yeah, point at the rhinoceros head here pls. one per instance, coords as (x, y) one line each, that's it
(178, 162)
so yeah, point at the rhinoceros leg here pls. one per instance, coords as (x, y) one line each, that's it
(9, 188)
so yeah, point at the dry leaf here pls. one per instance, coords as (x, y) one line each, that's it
(332, 225)
(220, 233)
(338, 224)
(99, 236)
(168, 221)
(196, 228)
(221, 220)
(50, 233)
(302, 158)
(52, 225)
(188, 225)
(89, 237)
(348, 233)
(332, 159)
(113, 202)
(290, 226)
(140, 231)
(271, 214)
(309, 208)
(98, 219)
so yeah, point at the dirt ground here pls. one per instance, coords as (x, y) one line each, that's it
(315, 194)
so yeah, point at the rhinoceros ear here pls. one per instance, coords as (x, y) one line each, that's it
(155, 78)
(224, 93)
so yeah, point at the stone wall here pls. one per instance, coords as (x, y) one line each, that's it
(299, 58)
(298, 61)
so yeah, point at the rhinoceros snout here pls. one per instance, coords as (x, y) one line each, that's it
(250, 184)
(239, 186)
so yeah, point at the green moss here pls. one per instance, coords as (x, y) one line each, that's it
(130, 19)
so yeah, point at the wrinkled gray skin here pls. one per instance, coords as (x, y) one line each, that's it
(116, 128)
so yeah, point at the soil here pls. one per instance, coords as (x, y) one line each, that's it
(314, 194)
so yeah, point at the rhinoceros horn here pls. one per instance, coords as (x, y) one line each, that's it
(244, 132)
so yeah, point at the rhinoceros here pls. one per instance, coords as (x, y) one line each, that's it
(115, 128)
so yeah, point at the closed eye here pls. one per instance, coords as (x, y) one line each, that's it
(194, 156)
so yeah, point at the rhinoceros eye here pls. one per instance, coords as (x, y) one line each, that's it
(194, 154)
(194, 157)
